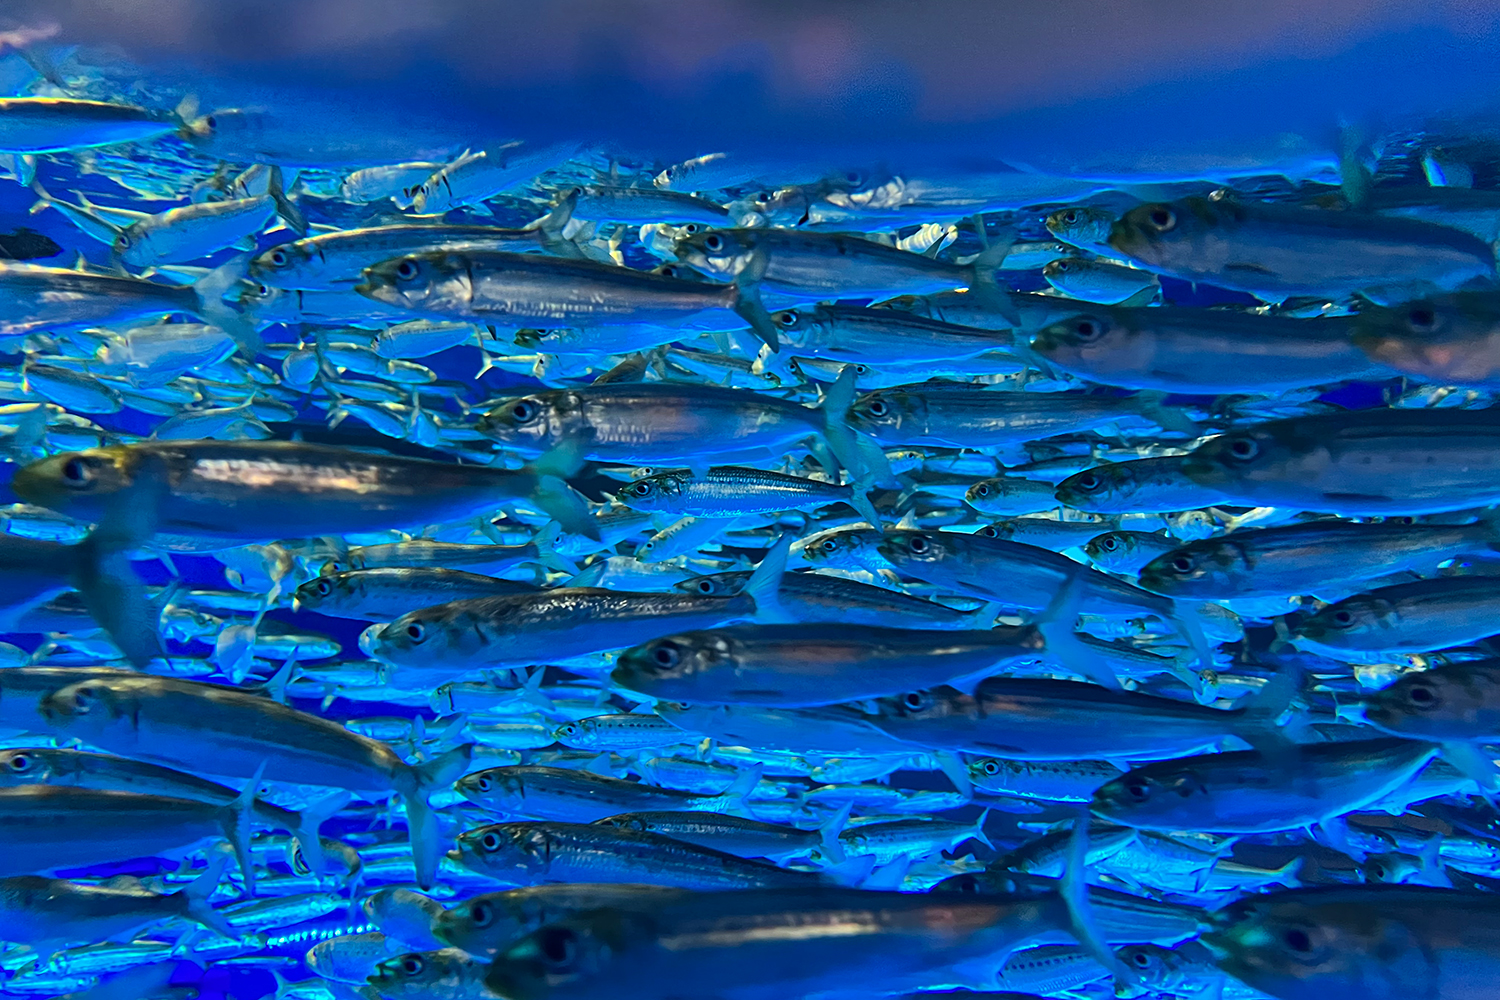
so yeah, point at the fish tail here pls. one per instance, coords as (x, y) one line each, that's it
(978, 833)
(237, 827)
(1075, 895)
(1055, 624)
(956, 771)
(763, 586)
(421, 822)
(309, 821)
(865, 464)
(984, 286)
(289, 212)
(1169, 418)
(555, 497)
(208, 293)
(738, 793)
(833, 847)
(116, 597)
(194, 897)
(747, 303)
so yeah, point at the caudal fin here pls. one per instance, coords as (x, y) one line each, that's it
(764, 584)
(116, 598)
(210, 290)
(194, 897)
(421, 822)
(289, 212)
(748, 304)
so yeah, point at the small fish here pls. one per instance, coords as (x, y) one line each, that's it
(581, 797)
(58, 124)
(389, 592)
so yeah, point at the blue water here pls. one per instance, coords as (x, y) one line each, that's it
(1071, 92)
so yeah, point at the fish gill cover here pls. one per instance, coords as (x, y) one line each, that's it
(749, 500)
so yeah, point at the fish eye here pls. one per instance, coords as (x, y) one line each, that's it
(989, 531)
(407, 269)
(84, 698)
(124, 239)
(490, 841)
(982, 490)
(1088, 329)
(1422, 318)
(481, 913)
(412, 965)
(967, 884)
(278, 258)
(713, 243)
(915, 700)
(666, 655)
(1418, 694)
(1088, 482)
(211, 121)
(705, 586)
(567, 729)
(19, 763)
(323, 587)
(558, 945)
(1343, 618)
(523, 411)
(262, 289)
(483, 783)
(787, 319)
(669, 270)
(1244, 448)
(1109, 543)
(1138, 789)
(1298, 940)
(918, 544)
(1182, 564)
(853, 177)
(1162, 218)
(416, 632)
(641, 489)
(877, 407)
(829, 545)
(1141, 960)
(76, 473)
(990, 767)
(1070, 216)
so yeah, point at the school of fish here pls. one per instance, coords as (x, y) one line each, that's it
(543, 572)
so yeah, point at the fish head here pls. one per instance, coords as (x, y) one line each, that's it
(134, 246)
(427, 636)
(1160, 234)
(1452, 338)
(279, 261)
(89, 706)
(418, 282)
(1206, 567)
(1351, 623)
(79, 483)
(1112, 550)
(1111, 483)
(1082, 225)
(714, 584)
(502, 849)
(538, 422)
(796, 327)
(667, 667)
(326, 589)
(224, 130)
(478, 924)
(1434, 703)
(924, 705)
(1086, 339)
(842, 547)
(1153, 798)
(1293, 946)
(661, 492)
(415, 972)
(496, 787)
(904, 548)
(884, 412)
(1242, 459)
(986, 490)
(720, 253)
(28, 766)
(569, 957)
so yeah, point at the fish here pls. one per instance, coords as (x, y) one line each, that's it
(524, 629)
(219, 494)
(1279, 251)
(58, 124)
(1187, 350)
(537, 852)
(1449, 702)
(817, 597)
(1358, 463)
(389, 592)
(728, 491)
(1143, 485)
(446, 972)
(806, 666)
(485, 924)
(776, 942)
(549, 793)
(1404, 618)
(1383, 941)
(173, 722)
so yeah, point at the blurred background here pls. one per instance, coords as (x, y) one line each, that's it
(1070, 86)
